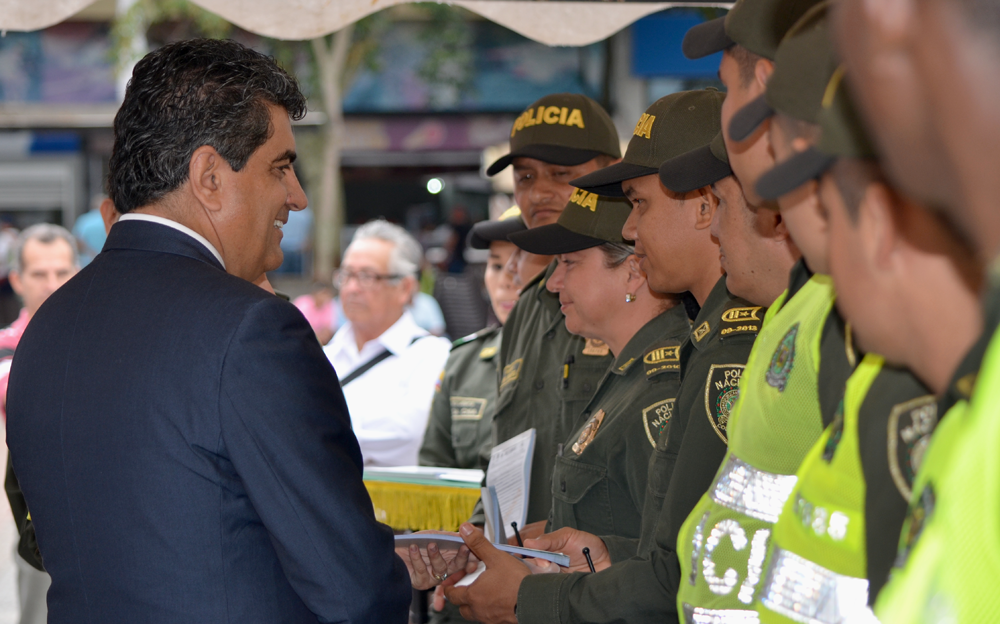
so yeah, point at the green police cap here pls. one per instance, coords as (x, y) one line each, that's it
(842, 135)
(698, 168)
(757, 25)
(486, 232)
(673, 125)
(588, 221)
(802, 68)
(561, 129)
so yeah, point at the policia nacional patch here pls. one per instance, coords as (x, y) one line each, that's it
(721, 389)
(910, 427)
(655, 419)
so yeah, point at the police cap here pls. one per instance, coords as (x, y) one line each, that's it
(588, 221)
(561, 129)
(486, 232)
(757, 25)
(671, 126)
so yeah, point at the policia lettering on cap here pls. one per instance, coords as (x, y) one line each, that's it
(557, 138)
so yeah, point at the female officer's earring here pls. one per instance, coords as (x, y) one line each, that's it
(629, 297)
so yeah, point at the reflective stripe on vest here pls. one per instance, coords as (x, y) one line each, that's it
(719, 616)
(805, 592)
(723, 543)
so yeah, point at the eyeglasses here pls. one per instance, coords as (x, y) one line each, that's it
(366, 279)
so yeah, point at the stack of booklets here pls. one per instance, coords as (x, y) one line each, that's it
(426, 475)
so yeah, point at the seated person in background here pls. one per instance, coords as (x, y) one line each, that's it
(387, 365)
(599, 479)
(317, 307)
(459, 432)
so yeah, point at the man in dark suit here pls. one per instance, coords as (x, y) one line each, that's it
(181, 440)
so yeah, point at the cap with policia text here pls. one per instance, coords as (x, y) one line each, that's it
(842, 135)
(588, 221)
(757, 25)
(486, 232)
(802, 69)
(561, 129)
(671, 126)
(698, 168)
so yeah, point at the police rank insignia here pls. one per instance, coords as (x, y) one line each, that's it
(511, 372)
(655, 419)
(663, 356)
(588, 432)
(910, 427)
(782, 361)
(721, 390)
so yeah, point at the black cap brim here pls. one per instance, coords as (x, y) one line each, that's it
(793, 173)
(706, 39)
(486, 232)
(746, 120)
(693, 170)
(607, 182)
(553, 239)
(552, 154)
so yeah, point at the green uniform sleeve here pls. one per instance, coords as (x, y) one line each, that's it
(437, 449)
(620, 548)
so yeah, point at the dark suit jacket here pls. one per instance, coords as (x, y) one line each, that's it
(186, 452)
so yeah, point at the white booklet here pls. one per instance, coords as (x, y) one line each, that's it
(454, 541)
(509, 473)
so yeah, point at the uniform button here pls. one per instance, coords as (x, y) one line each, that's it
(562, 485)
(539, 384)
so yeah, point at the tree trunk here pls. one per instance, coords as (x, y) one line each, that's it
(331, 60)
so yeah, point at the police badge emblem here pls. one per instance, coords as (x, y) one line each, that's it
(721, 390)
(588, 432)
(910, 427)
(782, 360)
(655, 419)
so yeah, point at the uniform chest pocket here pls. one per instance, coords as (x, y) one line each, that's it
(581, 497)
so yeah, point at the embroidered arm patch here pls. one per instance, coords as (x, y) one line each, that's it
(744, 320)
(721, 389)
(910, 427)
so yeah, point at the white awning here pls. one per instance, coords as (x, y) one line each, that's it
(552, 22)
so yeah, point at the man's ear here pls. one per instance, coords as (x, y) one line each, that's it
(762, 71)
(109, 214)
(708, 203)
(15, 281)
(408, 289)
(205, 175)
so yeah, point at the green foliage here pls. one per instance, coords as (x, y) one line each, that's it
(448, 67)
(193, 21)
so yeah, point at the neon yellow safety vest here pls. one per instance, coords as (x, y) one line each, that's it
(774, 423)
(949, 560)
(816, 569)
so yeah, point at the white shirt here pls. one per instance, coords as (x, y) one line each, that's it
(132, 216)
(391, 402)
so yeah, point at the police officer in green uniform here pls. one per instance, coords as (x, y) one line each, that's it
(829, 552)
(548, 375)
(599, 481)
(460, 425)
(673, 239)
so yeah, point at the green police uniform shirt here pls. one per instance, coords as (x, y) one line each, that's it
(599, 480)
(460, 425)
(547, 377)
(643, 588)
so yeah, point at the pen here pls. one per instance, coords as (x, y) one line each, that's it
(590, 562)
(569, 360)
(517, 534)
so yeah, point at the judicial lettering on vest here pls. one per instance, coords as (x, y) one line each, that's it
(581, 197)
(551, 115)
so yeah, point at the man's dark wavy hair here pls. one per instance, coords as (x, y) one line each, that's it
(186, 95)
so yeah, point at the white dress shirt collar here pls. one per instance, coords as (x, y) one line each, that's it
(395, 339)
(131, 216)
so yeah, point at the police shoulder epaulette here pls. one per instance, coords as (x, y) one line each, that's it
(471, 337)
(662, 357)
(739, 318)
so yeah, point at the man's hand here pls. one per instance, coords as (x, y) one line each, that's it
(572, 542)
(427, 572)
(492, 597)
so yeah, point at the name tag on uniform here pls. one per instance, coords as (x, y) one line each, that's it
(467, 408)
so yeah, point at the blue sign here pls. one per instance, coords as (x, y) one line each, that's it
(656, 47)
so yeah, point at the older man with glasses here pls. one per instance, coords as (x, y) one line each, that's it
(386, 363)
